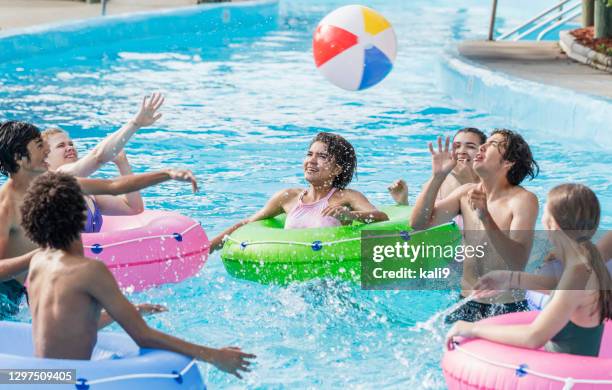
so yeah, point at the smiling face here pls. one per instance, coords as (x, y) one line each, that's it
(466, 146)
(38, 150)
(62, 150)
(489, 158)
(320, 167)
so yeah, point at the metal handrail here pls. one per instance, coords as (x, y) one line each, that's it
(547, 21)
(104, 7)
(559, 23)
(538, 16)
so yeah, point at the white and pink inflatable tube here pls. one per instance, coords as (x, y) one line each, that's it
(480, 364)
(149, 249)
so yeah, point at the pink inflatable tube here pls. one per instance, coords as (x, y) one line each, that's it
(480, 364)
(149, 249)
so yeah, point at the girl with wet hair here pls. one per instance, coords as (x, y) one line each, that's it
(329, 167)
(573, 321)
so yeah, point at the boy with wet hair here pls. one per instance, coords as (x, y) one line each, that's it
(496, 211)
(68, 291)
(23, 155)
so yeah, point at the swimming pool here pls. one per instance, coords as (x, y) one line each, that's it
(240, 111)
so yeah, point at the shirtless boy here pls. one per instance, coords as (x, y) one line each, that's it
(497, 211)
(68, 291)
(23, 156)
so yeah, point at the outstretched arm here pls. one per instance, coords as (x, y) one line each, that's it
(548, 323)
(112, 145)
(144, 309)
(272, 208)
(128, 204)
(103, 288)
(125, 184)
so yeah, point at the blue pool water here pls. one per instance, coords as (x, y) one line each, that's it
(240, 111)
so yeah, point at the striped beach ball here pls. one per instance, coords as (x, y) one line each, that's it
(354, 47)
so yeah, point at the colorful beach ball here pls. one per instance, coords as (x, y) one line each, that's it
(354, 47)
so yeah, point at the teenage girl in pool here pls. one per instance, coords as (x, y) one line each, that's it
(573, 321)
(465, 143)
(63, 157)
(329, 167)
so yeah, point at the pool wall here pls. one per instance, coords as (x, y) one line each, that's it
(527, 104)
(53, 38)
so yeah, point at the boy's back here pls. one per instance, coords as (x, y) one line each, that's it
(68, 291)
(64, 315)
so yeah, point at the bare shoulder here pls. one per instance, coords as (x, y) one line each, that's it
(286, 195)
(90, 271)
(522, 198)
(347, 193)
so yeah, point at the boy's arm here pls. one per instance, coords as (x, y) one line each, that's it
(102, 286)
(112, 145)
(515, 246)
(11, 267)
(272, 208)
(426, 212)
(144, 309)
(126, 184)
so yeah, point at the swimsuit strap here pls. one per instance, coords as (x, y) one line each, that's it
(325, 198)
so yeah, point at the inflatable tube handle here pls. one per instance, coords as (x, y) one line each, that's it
(81, 384)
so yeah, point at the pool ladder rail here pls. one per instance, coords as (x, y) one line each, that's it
(560, 14)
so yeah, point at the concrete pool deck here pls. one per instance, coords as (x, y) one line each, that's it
(541, 62)
(27, 13)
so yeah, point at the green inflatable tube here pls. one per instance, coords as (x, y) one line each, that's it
(265, 252)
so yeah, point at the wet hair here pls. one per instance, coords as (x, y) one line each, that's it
(481, 135)
(576, 210)
(517, 151)
(14, 139)
(53, 211)
(343, 154)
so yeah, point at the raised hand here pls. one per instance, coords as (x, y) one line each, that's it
(147, 115)
(444, 160)
(232, 360)
(184, 175)
(399, 192)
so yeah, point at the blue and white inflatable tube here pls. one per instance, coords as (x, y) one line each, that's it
(117, 363)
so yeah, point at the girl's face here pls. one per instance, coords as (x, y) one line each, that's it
(61, 152)
(466, 146)
(320, 167)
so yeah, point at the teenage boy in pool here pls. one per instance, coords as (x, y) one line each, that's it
(23, 156)
(466, 143)
(497, 210)
(68, 291)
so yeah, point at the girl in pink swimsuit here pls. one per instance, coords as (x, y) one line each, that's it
(329, 167)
